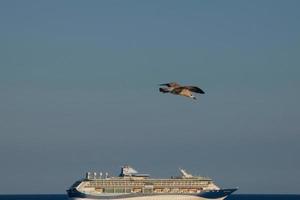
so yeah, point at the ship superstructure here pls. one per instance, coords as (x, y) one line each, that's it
(136, 186)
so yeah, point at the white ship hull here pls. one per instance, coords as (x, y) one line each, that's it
(157, 197)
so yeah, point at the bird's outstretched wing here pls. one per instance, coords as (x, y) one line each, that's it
(172, 84)
(164, 90)
(195, 89)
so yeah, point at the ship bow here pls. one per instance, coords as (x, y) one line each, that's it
(217, 194)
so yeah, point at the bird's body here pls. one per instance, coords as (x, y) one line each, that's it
(175, 88)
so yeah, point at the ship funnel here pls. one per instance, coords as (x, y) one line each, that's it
(184, 173)
(127, 171)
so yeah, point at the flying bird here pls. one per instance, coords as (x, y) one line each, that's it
(175, 88)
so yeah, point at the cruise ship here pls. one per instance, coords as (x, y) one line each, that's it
(132, 185)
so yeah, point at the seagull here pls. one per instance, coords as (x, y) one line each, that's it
(175, 88)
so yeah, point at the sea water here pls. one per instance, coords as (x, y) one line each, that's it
(231, 197)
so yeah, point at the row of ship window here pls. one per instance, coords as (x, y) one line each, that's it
(143, 183)
(165, 190)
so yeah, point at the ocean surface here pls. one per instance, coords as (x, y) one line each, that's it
(232, 197)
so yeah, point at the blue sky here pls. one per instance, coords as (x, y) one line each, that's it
(79, 91)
